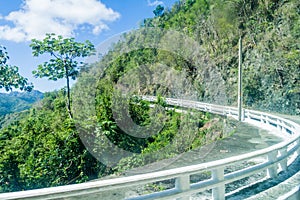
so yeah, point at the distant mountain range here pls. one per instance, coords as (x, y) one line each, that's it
(18, 101)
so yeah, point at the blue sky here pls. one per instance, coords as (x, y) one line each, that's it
(94, 20)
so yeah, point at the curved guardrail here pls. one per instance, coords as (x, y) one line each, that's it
(275, 158)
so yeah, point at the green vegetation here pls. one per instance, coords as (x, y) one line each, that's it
(44, 148)
(159, 11)
(9, 75)
(16, 102)
(270, 31)
(63, 64)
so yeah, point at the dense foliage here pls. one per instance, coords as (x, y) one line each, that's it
(188, 51)
(9, 75)
(43, 149)
(270, 30)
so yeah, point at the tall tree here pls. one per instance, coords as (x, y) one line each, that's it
(9, 75)
(159, 10)
(63, 63)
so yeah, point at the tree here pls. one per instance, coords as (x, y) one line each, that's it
(159, 10)
(9, 75)
(63, 64)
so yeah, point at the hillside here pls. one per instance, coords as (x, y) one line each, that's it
(13, 103)
(188, 51)
(200, 38)
(18, 101)
(191, 52)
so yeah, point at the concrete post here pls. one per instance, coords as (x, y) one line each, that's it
(218, 193)
(283, 163)
(272, 170)
(182, 183)
(298, 150)
(240, 82)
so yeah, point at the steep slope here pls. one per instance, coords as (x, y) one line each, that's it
(270, 31)
(189, 51)
(199, 38)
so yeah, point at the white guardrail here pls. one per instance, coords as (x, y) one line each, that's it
(276, 158)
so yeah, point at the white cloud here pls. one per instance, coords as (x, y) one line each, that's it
(155, 3)
(63, 17)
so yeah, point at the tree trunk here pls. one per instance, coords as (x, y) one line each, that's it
(68, 93)
(69, 98)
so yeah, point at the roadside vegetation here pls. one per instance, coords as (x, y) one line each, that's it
(43, 147)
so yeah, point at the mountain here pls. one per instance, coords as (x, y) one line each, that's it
(189, 51)
(18, 101)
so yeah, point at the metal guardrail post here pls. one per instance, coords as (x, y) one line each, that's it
(182, 183)
(272, 170)
(218, 193)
